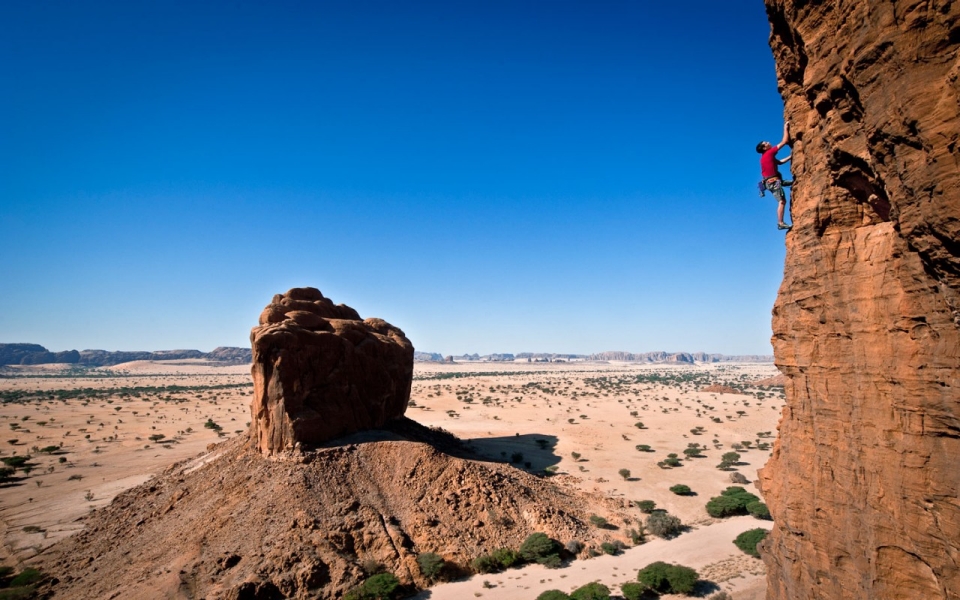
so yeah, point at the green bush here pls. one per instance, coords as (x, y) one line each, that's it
(506, 557)
(748, 540)
(646, 506)
(538, 546)
(681, 489)
(378, 587)
(431, 565)
(591, 591)
(632, 591)
(731, 501)
(18, 593)
(758, 510)
(485, 564)
(612, 548)
(625, 473)
(28, 576)
(724, 506)
(668, 579)
(597, 521)
(551, 561)
(553, 595)
(663, 524)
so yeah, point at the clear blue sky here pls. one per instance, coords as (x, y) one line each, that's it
(489, 176)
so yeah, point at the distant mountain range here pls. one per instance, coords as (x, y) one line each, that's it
(645, 357)
(35, 354)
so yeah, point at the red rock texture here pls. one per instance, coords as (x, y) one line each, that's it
(320, 372)
(864, 481)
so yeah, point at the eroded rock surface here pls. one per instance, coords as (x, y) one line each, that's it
(320, 372)
(863, 483)
(234, 525)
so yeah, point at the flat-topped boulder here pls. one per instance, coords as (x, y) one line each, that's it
(321, 372)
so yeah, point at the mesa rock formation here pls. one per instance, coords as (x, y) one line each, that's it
(863, 482)
(320, 372)
(234, 524)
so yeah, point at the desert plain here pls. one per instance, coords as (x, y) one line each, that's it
(92, 433)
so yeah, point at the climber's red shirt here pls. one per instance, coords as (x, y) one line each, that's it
(768, 163)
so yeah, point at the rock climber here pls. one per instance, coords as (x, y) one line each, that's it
(772, 180)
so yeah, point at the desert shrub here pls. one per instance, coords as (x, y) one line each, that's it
(378, 587)
(668, 579)
(609, 548)
(730, 457)
(18, 593)
(738, 477)
(721, 596)
(681, 489)
(646, 506)
(663, 524)
(538, 546)
(748, 540)
(574, 547)
(485, 564)
(431, 565)
(731, 501)
(553, 595)
(636, 536)
(15, 461)
(575, 455)
(516, 457)
(6, 473)
(506, 557)
(759, 510)
(551, 562)
(644, 448)
(598, 521)
(625, 473)
(28, 576)
(672, 461)
(591, 591)
(632, 591)
(725, 506)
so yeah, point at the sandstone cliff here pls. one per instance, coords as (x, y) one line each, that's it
(863, 483)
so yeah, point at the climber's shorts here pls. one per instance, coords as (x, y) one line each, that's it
(776, 188)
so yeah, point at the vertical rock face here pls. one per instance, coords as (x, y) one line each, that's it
(320, 372)
(864, 482)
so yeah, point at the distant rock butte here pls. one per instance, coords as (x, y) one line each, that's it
(320, 372)
(863, 482)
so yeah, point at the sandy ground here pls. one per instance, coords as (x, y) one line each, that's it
(96, 427)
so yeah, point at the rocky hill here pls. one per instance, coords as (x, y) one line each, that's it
(35, 354)
(863, 482)
(236, 524)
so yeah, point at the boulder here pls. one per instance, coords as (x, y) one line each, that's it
(321, 372)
